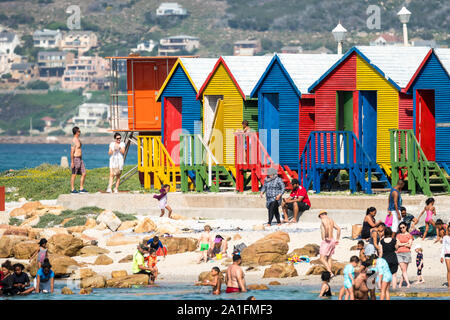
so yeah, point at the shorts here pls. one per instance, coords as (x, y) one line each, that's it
(395, 221)
(204, 247)
(404, 257)
(162, 203)
(232, 290)
(347, 283)
(78, 167)
(301, 206)
(327, 247)
(387, 277)
(447, 256)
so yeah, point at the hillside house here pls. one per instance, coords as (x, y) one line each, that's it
(247, 47)
(47, 38)
(170, 9)
(172, 45)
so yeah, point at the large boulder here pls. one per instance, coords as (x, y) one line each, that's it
(206, 275)
(144, 226)
(118, 274)
(96, 281)
(66, 291)
(126, 225)
(30, 222)
(92, 251)
(31, 206)
(167, 228)
(109, 219)
(90, 223)
(257, 287)
(336, 267)
(179, 245)
(61, 265)
(25, 249)
(17, 212)
(310, 250)
(126, 259)
(47, 233)
(15, 231)
(7, 243)
(42, 210)
(121, 240)
(280, 270)
(279, 235)
(103, 260)
(128, 281)
(268, 250)
(83, 273)
(65, 244)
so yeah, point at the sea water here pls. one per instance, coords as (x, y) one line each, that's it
(20, 156)
(184, 291)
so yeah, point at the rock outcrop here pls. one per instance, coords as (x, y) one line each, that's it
(25, 249)
(7, 243)
(144, 226)
(92, 251)
(127, 225)
(280, 270)
(268, 250)
(66, 290)
(179, 244)
(336, 267)
(128, 281)
(96, 281)
(119, 274)
(109, 219)
(65, 244)
(61, 265)
(121, 240)
(257, 287)
(310, 250)
(103, 260)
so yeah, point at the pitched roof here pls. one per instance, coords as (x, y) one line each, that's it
(6, 36)
(196, 69)
(395, 63)
(22, 66)
(301, 69)
(444, 56)
(245, 71)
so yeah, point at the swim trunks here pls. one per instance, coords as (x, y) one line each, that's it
(232, 290)
(327, 247)
(79, 167)
(204, 247)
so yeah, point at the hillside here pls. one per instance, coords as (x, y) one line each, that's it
(121, 24)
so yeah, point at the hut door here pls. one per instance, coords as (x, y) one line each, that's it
(368, 122)
(426, 123)
(344, 117)
(271, 124)
(172, 126)
(210, 107)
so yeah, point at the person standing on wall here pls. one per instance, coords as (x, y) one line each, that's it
(116, 152)
(76, 162)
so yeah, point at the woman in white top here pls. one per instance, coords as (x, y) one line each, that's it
(116, 152)
(445, 253)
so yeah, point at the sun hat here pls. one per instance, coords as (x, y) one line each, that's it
(322, 212)
(417, 246)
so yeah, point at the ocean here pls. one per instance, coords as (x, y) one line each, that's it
(20, 156)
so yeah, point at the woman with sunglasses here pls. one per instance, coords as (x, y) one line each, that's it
(403, 245)
(116, 152)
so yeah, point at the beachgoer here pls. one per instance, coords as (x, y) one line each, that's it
(215, 283)
(251, 298)
(373, 247)
(360, 246)
(151, 264)
(245, 127)
(205, 242)
(41, 254)
(274, 189)
(325, 291)
(20, 281)
(234, 277)
(369, 223)
(394, 204)
(116, 152)
(441, 230)
(45, 277)
(328, 242)
(5, 277)
(388, 248)
(361, 290)
(298, 201)
(409, 219)
(430, 210)
(138, 266)
(156, 244)
(384, 276)
(445, 253)
(349, 278)
(220, 246)
(404, 244)
(419, 263)
(162, 198)
(76, 161)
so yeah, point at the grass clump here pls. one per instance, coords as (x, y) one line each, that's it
(77, 221)
(14, 221)
(78, 217)
(125, 216)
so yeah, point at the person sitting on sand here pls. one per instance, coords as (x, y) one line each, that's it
(441, 230)
(151, 264)
(298, 201)
(325, 291)
(205, 242)
(235, 276)
(138, 266)
(162, 198)
(408, 218)
(220, 246)
(20, 281)
(156, 244)
(215, 283)
(328, 242)
(45, 277)
(369, 223)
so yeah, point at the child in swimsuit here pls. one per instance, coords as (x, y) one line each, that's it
(216, 282)
(151, 263)
(204, 243)
(349, 277)
(162, 198)
(430, 211)
(325, 291)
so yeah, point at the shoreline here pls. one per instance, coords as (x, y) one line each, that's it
(54, 139)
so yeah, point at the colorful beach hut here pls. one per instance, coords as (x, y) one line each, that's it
(285, 109)
(181, 111)
(225, 98)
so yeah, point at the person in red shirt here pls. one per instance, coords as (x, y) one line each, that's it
(298, 201)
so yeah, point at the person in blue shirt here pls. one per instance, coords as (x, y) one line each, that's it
(349, 279)
(155, 243)
(45, 277)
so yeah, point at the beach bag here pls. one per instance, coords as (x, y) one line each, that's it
(239, 247)
(389, 220)
(356, 231)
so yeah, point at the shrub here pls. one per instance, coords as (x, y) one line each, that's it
(124, 216)
(14, 221)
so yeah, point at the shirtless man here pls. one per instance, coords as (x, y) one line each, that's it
(76, 162)
(328, 242)
(360, 288)
(235, 276)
